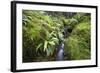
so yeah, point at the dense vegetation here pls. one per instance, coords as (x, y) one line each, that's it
(43, 31)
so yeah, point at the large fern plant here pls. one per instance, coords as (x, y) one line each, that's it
(42, 31)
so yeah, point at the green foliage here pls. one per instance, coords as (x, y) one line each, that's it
(78, 44)
(43, 31)
(39, 29)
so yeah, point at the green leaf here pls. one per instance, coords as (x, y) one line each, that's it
(56, 40)
(45, 45)
(39, 46)
(51, 43)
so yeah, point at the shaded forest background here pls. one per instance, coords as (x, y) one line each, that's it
(44, 30)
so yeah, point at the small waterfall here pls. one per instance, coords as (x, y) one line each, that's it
(60, 48)
(60, 52)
